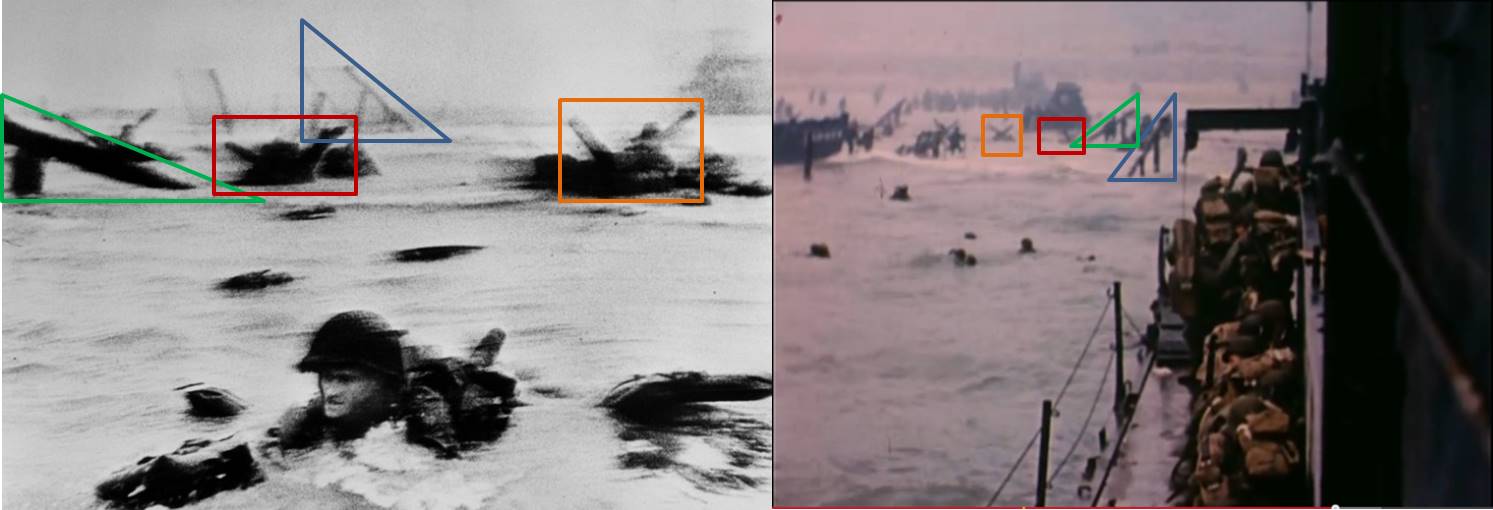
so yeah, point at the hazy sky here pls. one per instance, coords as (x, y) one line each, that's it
(918, 28)
(974, 44)
(511, 54)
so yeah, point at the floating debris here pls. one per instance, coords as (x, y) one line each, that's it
(819, 250)
(310, 213)
(969, 235)
(641, 395)
(901, 194)
(429, 253)
(255, 280)
(196, 470)
(211, 402)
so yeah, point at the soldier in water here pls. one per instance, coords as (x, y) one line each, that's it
(362, 381)
(367, 377)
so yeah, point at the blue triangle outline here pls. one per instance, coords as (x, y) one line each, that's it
(1172, 102)
(307, 24)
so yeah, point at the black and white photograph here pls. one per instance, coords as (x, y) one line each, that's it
(352, 254)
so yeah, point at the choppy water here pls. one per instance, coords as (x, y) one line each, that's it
(107, 307)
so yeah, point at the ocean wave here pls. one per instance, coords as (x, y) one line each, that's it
(29, 368)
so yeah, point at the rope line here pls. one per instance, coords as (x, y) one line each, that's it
(1071, 373)
(1124, 429)
(1103, 381)
(1033, 441)
(1012, 472)
(1134, 326)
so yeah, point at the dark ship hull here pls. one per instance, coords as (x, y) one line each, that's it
(788, 138)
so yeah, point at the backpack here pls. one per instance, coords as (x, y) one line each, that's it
(1270, 459)
(1213, 486)
(1271, 422)
(1267, 363)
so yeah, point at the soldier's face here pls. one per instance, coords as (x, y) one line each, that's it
(349, 392)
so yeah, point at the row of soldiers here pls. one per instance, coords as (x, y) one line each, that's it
(930, 142)
(1234, 265)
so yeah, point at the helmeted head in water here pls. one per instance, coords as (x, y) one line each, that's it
(1026, 245)
(359, 364)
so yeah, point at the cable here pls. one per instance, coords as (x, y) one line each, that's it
(1134, 326)
(1103, 381)
(1124, 429)
(1012, 472)
(1093, 334)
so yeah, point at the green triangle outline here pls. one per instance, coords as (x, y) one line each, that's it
(1092, 129)
(7, 200)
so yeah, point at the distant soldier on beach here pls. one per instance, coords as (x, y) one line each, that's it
(956, 141)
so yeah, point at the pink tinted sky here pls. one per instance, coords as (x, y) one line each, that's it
(969, 39)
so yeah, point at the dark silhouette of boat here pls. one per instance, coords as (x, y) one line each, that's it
(789, 138)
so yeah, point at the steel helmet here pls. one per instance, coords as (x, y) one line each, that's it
(1273, 158)
(359, 338)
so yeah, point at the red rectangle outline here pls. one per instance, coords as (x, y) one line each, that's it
(352, 193)
(1083, 128)
(560, 151)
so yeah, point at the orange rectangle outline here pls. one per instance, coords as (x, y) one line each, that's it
(560, 150)
(1020, 135)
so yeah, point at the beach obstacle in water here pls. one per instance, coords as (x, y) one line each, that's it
(116, 162)
(337, 162)
(211, 402)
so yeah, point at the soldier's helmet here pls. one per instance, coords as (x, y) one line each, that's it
(1212, 187)
(356, 338)
(1273, 158)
